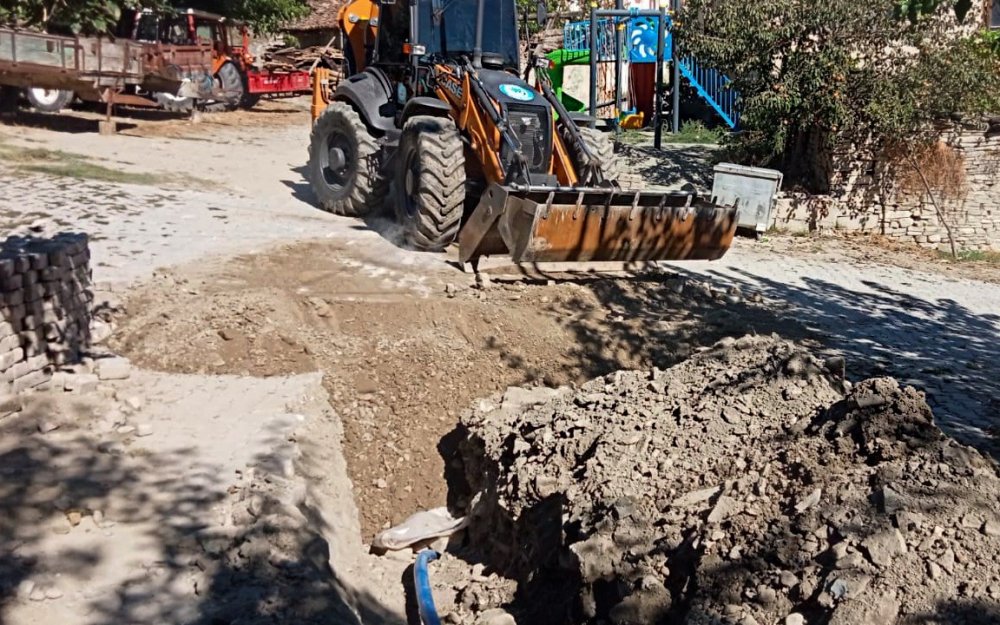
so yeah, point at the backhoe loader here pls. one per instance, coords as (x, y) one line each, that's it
(434, 121)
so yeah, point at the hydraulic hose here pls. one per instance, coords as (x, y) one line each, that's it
(422, 581)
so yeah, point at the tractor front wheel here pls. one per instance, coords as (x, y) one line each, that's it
(430, 182)
(343, 163)
(601, 146)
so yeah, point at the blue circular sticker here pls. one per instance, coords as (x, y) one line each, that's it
(517, 92)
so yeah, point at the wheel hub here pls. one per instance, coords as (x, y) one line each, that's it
(337, 158)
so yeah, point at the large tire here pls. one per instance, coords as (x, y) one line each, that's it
(355, 187)
(233, 84)
(601, 146)
(430, 182)
(48, 100)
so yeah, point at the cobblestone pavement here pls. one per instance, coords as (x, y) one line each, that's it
(939, 334)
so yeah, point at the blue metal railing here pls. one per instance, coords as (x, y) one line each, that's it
(711, 85)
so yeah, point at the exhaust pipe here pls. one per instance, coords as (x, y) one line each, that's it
(477, 51)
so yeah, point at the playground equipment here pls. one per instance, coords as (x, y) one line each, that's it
(644, 38)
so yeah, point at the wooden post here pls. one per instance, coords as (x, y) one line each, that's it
(108, 127)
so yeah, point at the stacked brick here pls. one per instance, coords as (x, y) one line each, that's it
(856, 204)
(44, 308)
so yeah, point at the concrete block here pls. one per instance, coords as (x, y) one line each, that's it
(31, 380)
(114, 368)
(14, 298)
(12, 283)
(11, 357)
(39, 260)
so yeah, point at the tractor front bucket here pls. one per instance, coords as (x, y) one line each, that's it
(550, 224)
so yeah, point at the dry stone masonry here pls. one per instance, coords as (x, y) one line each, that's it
(44, 309)
(857, 203)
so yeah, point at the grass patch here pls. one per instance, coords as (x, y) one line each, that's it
(973, 256)
(695, 132)
(69, 165)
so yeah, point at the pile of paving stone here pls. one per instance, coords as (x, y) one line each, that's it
(749, 484)
(45, 301)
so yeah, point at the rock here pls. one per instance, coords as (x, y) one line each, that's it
(125, 430)
(81, 383)
(883, 546)
(795, 619)
(495, 616)
(766, 595)
(100, 331)
(226, 334)
(112, 448)
(98, 517)
(836, 365)
(809, 500)
(53, 593)
(144, 429)
(256, 505)
(47, 425)
(788, 579)
(24, 589)
(483, 281)
(696, 497)
(947, 561)
(991, 528)
(934, 570)
(890, 500)
(74, 517)
(116, 368)
(133, 402)
(645, 605)
(722, 508)
(381, 483)
(37, 594)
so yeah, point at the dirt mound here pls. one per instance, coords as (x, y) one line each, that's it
(749, 484)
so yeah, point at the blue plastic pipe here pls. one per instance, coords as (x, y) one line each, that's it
(422, 580)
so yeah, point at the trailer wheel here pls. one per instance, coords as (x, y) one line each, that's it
(343, 163)
(600, 145)
(48, 100)
(430, 182)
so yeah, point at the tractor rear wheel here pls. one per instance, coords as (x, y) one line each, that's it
(48, 100)
(601, 146)
(430, 182)
(344, 166)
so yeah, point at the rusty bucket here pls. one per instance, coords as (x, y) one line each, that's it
(551, 224)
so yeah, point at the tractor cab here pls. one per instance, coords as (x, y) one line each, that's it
(446, 29)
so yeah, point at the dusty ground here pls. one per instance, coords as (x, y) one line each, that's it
(242, 277)
(403, 354)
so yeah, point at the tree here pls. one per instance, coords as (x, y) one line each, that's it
(101, 16)
(810, 72)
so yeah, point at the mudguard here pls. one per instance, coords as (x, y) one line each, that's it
(370, 94)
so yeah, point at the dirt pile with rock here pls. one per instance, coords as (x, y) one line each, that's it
(751, 483)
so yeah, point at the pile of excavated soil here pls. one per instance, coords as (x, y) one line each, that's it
(748, 484)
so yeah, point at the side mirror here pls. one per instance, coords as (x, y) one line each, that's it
(541, 13)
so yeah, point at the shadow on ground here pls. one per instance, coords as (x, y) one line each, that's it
(941, 347)
(171, 566)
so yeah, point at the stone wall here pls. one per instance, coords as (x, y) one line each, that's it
(860, 201)
(45, 307)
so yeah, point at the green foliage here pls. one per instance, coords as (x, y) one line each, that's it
(694, 131)
(810, 71)
(76, 16)
(264, 16)
(101, 16)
